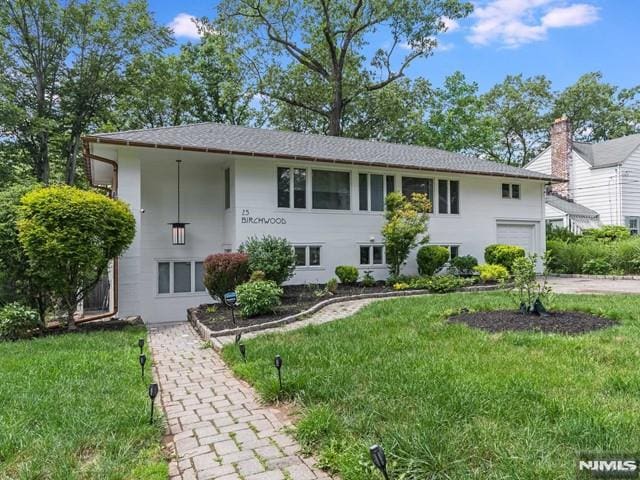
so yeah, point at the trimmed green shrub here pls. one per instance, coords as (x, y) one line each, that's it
(492, 273)
(367, 279)
(259, 297)
(464, 264)
(17, 321)
(435, 284)
(224, 271)
(70, 236)
(498, 254)
(607, 233)
(431, 258)
(272, 255)
(347, 274)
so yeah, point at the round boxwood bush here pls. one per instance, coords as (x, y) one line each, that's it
(347, 274)
(464, 264)
(17, 321)
(431, 258)
(224, 271)
(258, 297)
(498, 254)
(272, 255)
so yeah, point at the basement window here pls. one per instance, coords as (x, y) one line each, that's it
(307, 255)
(180, 276)
(371, 255)
(633, 223)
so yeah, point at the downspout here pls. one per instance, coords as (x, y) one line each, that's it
(113, 193)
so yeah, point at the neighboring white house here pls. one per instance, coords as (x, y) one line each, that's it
(324, 194)
(602, 178)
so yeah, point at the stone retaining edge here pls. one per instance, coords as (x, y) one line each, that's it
(209, 335)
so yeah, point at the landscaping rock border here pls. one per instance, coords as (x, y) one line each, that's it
(207, 334)
(595, 277)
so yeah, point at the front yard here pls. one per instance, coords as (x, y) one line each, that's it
(449, 401)
(74, 406)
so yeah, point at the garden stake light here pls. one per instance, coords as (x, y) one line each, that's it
(230, 300)
(379, 460)
(141, 344)
(243, 351)
(278, 364)
(143, 360)
(153, 393)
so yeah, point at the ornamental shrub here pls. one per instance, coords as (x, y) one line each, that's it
(257, 276)
(259, 297)
(332, 285)
(492, 273)
(627, 256)
(272, 255)
(435, 284)
(17, 321)
(347, 274)
(69, 236)
(498, 254)
(405, 221)
(597, 266)
(367, 279)
(607, 233)
(464, 264)
(431, 258)
(224, 271)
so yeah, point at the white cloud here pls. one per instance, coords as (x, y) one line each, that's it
(516, 22)
(183, 25)
(572, 16)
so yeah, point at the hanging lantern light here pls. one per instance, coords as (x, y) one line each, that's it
(178, 230)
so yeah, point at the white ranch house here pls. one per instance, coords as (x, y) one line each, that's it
(324, 194)
(602, 184)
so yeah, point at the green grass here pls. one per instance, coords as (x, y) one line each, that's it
(75, 407)
(447, 401)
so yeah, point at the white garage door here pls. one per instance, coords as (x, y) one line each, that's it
(520, 234)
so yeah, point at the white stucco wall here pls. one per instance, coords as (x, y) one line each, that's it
(147, 181)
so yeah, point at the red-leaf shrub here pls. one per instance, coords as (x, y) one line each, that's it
(223, 271)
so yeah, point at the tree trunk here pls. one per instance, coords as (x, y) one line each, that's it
(335, 115)
(41, 159)
(72, 156)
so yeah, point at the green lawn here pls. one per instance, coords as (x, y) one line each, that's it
(75, 407)
(447, 401)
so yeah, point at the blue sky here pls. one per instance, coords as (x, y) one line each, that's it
(561, 39)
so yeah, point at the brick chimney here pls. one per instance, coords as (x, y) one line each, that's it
(561, 152)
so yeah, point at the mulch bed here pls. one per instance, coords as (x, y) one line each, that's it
(556, 322)
(296, 299)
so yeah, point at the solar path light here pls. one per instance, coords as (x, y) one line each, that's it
(379, 460)
(141, 344)
(143, 360)
(230, 299)
(243, 351)
(278, 364)
(153, 393)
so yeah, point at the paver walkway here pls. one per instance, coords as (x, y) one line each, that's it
(220, 430)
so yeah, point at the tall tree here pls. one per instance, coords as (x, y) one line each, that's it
(330, 42)
(35, 40)
(106, 37)
(518, 111)
(599, 110)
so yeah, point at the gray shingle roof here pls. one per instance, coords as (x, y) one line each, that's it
(608, 153)
(569, 207)
(219, 138)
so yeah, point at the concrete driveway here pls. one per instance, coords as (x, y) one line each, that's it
(594, 285)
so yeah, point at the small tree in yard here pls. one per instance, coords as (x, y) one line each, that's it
(529, 292)
(406, 219)
(69, 236)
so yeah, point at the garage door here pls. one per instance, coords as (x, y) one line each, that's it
(520, 234)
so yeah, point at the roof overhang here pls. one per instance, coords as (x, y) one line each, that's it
(87, 139)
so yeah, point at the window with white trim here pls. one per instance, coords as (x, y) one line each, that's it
(372, 255)
(449, 196)
(180, 276)
(292, 187)
(511, 190)
(418, 185)
(373, 189)
(633, 224)
(330, 190)
(307, 255)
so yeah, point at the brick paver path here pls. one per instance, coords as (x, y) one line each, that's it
(220, 430)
